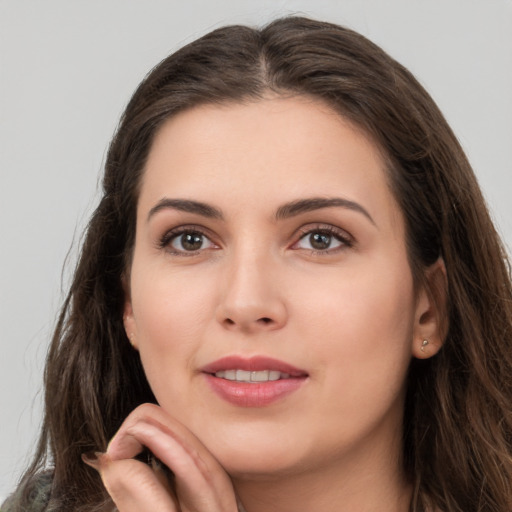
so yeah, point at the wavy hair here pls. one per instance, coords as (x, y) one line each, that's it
(458, 419)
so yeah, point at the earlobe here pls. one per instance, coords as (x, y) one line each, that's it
(129, 326)
(425, 348)
(430, 323)
(128, 319)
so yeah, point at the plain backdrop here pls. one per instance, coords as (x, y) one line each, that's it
(67, 68)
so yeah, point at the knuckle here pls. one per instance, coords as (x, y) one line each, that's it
(115, 477)
(125, 478)
(145, 411)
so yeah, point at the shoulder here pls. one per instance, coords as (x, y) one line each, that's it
(31, 496)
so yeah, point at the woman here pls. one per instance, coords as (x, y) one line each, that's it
(291, 296)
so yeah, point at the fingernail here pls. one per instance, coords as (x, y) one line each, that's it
(94, 459)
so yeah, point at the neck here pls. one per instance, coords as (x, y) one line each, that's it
(364, 482)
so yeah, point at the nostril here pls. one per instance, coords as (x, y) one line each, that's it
(262, 322)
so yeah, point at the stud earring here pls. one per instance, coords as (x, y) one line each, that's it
(423, 345)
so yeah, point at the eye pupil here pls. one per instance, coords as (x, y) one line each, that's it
(320, 241)
(191, 241)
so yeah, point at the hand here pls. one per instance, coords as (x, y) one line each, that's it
(201, 484)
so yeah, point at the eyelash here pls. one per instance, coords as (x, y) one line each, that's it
(346, 241)
(167, 239)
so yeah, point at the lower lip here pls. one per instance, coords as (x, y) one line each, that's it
(245, 394)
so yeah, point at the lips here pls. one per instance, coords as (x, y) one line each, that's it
(246, 376)
(253, 382)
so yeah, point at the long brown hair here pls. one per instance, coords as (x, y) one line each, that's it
(458, 419)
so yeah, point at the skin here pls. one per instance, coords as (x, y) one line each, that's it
(348, 314)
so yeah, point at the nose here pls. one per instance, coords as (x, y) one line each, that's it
(252, 299)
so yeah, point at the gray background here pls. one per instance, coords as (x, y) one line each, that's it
(67, 68)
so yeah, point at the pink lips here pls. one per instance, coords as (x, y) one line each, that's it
(253, 394)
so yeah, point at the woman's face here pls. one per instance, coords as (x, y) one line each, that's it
(270, 249)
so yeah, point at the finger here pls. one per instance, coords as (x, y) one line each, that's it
(131, 439)
(136, 487)
(201, 482)
(165, 477)
(198, 486)
(126, 445)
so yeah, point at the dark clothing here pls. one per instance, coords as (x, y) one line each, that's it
(37, 498)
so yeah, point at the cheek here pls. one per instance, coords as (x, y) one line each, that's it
(360, 327)
(166, 301)
(362, 300)
(170, 312)
(358, 332)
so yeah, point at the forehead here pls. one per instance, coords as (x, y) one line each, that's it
(271, 150)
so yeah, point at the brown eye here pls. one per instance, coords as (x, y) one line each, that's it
(320, 241)
(323, 240)
(190, 241)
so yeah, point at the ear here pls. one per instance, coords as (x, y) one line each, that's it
(128, 318)
(430, 322)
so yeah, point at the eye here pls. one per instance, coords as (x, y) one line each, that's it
(323, 240)
(183, 241)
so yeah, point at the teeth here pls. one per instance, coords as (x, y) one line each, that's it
(260, 376)
(230, 374)
(245, 376)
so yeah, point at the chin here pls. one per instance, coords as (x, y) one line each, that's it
(258, 465)
(255, 453)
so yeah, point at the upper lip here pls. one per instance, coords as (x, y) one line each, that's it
(252, 364)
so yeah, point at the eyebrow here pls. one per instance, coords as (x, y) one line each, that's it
(316, 203)
(186, 205)
(285, 211)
